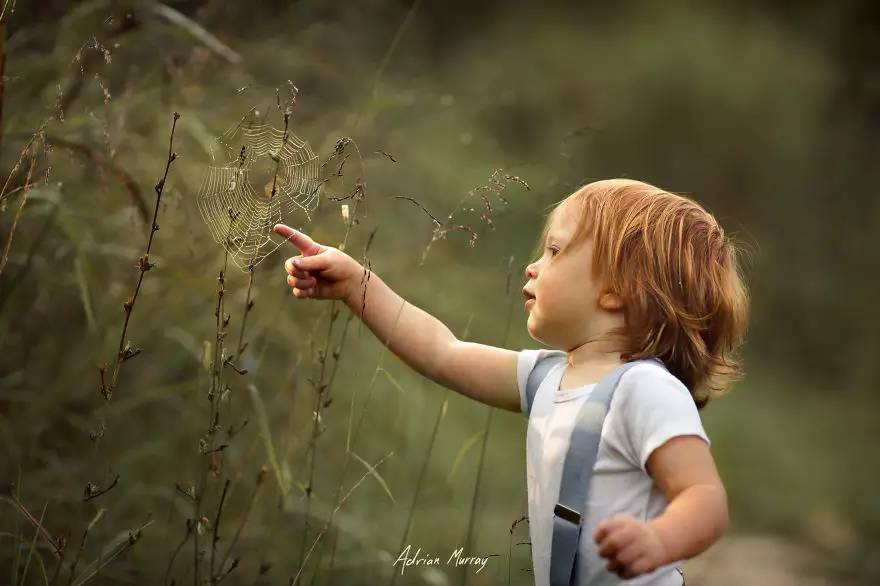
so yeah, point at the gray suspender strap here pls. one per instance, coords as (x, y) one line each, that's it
(539, 372)
(576, 475)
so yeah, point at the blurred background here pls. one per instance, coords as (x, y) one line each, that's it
(288, 444)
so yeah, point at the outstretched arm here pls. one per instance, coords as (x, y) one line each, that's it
(484, 373)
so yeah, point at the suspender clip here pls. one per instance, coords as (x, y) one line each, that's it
(568, 514)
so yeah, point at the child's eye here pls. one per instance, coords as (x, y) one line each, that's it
(552, 249)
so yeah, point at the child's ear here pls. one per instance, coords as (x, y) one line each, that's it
(610, 301)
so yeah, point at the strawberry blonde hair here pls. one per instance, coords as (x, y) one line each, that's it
(677, 274)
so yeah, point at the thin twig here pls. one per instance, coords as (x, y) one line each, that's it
(329, 521)
(21, 273)
(189, 531)
(24, 197)
(422, 473)
(92, 492)
(214, 396)
(5, 5)
(197, 31)
(24, 151)
(57, 546)
(103, 163)
(510, 545)
(102, 562)
(124, 353)
(261, 476)
(216, 527)
(27, 562)
(488, 427)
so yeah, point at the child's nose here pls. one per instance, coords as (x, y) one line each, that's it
(531, 270)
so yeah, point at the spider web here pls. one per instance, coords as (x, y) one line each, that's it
(241, 217)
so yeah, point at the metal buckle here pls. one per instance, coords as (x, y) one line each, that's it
(566, 513)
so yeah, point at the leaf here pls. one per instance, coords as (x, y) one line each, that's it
(33, 544)
(391, 379)
(185, 339)
(461, 453)
(207, 355)
(375, 474)
(95, 519)
(265, 433)
(50, 193)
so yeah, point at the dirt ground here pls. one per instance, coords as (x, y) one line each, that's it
(763, 560)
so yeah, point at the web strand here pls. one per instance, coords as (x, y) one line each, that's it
(241, 216)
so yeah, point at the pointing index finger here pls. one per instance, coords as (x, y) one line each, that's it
(302, 241)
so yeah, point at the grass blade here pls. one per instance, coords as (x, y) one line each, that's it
(376, 475)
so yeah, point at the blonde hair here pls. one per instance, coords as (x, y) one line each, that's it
(677, 274)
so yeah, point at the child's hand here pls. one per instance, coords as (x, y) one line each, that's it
(631, 547)
(320, 272)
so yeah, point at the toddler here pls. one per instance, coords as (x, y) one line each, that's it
(624, 271)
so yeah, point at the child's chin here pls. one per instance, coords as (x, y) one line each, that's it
(533, 332)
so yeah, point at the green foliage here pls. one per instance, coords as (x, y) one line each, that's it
(757, 117)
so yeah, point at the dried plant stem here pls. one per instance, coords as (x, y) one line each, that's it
(422, 473)
(27, 562)
(216, 527)
(28, 262)
(319, 388)
(124, 352)
(59, 564)
(24, 197)
(101, 563)
(386, 59)
(295, 579)
(353, 433)
(194, 29)
(189, 531)
(3, 13)
(21, 155)
(103, 163)
(57, 545)
(214, 397)
(488, 427)
(248, 306)
(427, 459)
(510, 545)
(338, 351)
(261, 476)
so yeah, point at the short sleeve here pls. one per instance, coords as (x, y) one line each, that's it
(525, 363)
(654, 406)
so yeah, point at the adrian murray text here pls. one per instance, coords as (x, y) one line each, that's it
(408, 558)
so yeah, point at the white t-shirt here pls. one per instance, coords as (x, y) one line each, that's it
(649, 406)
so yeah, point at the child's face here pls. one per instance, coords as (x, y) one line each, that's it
(565, 312)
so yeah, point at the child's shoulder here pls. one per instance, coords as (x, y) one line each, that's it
(650, 381)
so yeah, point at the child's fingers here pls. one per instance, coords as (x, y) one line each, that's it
(293, 270)
(306, 283)
(611, 524)
(318, 262)
(604, 528)
(616, 538)
(629, 553)
(301, 241)
(614, 566)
